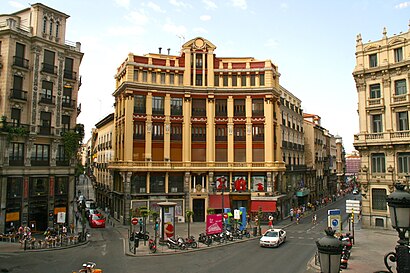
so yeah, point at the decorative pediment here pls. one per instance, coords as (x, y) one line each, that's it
(372, 47)
(397, 40)
(199, 43)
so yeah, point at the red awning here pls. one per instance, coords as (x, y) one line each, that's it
(267, 206)
(215, 201)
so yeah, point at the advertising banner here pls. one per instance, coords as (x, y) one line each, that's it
(258, 183)
(213, 224)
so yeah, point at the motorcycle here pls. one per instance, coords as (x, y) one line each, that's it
(190, 242)
(176, 244)
(152, 246)
(140, 235)
(343, 261)
(205, 239)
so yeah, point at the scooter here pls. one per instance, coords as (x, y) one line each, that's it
(203, 238)
(140, 235)
(190, 242)
(175, 244)
(152, 246)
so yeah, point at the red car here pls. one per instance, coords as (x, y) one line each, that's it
(97, 220)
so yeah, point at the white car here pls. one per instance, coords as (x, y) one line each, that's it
(273, 238)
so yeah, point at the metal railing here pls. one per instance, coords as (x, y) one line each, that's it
(18, 94)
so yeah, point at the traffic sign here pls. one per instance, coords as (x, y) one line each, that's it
(334, 221)
(236, 214)
(333, 212)
(353, 206)
(226, 215)
(134, 221)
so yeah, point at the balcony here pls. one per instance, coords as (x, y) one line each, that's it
(397, 100)
(70, 75)
(45, 130)
(20, 62)
(49, 68)
(375, 103)
(17, 94)
(199, 112)
(48, 100)
(67, 103)
(259, 113)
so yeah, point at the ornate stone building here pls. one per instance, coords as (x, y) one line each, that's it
(382, 79)
(39, 82)
(196, 129)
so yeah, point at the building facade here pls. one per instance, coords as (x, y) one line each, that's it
(39, 83)
(382, 79)
(293, 152)
(196, 129)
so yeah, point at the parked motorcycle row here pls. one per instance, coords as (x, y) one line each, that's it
(181, 243)
(347, 248)
(223, 237)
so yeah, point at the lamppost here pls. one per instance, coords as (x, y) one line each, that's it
(399, 206)
(330, 251)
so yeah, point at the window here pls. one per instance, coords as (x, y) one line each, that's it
(61, 159)
(377, 123)
(16, 156)
(398, 54)
(257, 107)
(158, 105)
(135, 77)
(400, 87)
(61, 185)
(65, 123)
(139, 104)
(158, 131)
(66, 99)
(402, 121)
(198, 133)
(239, 133)
(239, 108)
(262, 79)
(157, 183)
(44, 24)
(176, 106)
(14, 187)
(40, 155)
(258, 132)
(45, 120)
(46, 95)
(19, 59)
(39, 186)
(225, 80)
(253, 79)
(374, 91)
(171, 78)
(68, 69)
(221, 108)
(220, 133)
(198, 60)
(180, 79)
(15, 116)
(162, 78)
(372, 60)
(51, 27)
(176, 131)
(379, 199)
(234, 80)
(139, 130)
(403, 162)
(199, 107)
(139, 183)
(48, 63)
(216, 80)
(176, 183)
(378, 163)
(243, 80)
(198, 79)
(154, 77)
(57, 29)
(144, 76)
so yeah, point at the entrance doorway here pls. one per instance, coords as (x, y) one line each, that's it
(37, 213)
(199, 210)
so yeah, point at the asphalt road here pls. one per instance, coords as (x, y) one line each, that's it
(106, 248)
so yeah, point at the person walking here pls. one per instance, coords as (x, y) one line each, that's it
(314, 219)
(291, 214)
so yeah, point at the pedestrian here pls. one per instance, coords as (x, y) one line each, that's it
(314, 219)
(291, 214)
(72, 228)
(270, 223)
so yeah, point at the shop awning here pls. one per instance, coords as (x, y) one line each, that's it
(215, 201)
(267, 206)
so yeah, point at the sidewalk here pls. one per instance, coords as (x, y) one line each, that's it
(367, 254)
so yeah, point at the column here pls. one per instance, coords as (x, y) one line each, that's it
(231, 152)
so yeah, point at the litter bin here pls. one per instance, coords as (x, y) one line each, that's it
(255, 231)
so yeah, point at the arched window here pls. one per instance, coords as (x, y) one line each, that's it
(44, 24)
(57, 29)
(51, 27)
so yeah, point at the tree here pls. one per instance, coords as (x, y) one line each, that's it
(188, 215)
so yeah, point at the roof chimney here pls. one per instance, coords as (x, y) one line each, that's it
(168, 50)
(159, 49)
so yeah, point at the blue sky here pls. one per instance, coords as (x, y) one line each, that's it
(312, 42)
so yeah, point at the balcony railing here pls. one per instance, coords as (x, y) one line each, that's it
(40, 162)
(375, 102)
(48, 100)
(198, 112)
(49, 68)
(257, 113)
(18, 94)
(397, 99)
(67, 103)
(20, 62)
(45, 130)
(71, 75)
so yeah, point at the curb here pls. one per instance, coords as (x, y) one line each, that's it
(47, 249)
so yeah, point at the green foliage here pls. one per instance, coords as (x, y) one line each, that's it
(13, 130)
(188, 215)
(210, 211)
(72, 141)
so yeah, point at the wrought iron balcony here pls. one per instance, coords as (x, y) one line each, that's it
(67, 103)
(18, 94)
(48, 100)
(71, 75)
(49, 68)
(20, 62)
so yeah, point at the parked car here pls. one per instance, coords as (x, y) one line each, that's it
(273, 238)
(97, 221)
(90, 204)
(355, 191)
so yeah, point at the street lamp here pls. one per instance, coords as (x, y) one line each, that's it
(330, 251)
(399, 206)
